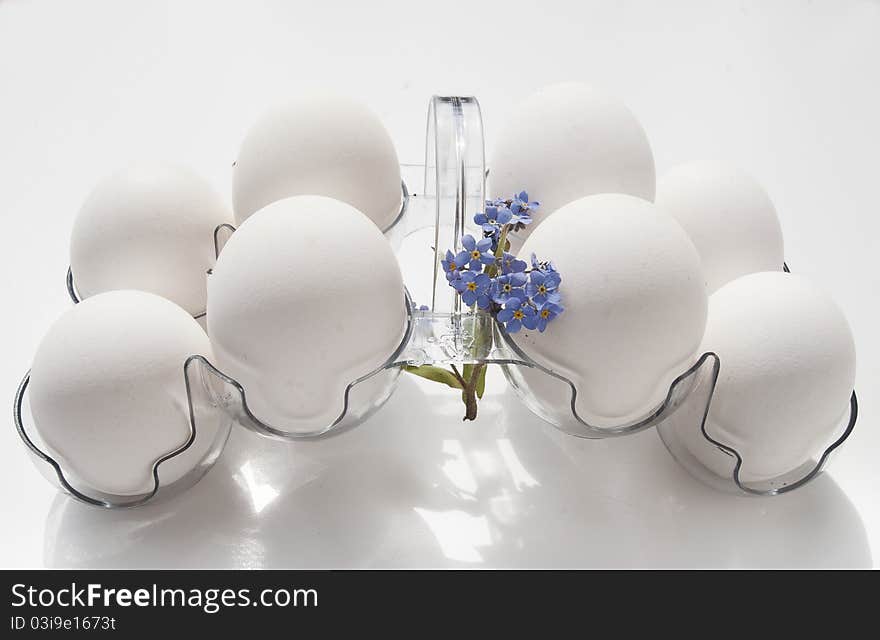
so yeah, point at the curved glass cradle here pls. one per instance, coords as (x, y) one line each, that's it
(476, 338)
(553, 397)
(693, 441)
(361, 397)
(173, 472)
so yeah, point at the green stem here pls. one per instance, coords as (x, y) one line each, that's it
(473, 381)
(476, 381)
(492, 270)
(472, 390)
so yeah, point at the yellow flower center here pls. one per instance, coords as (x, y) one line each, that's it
(472, 286)
(475, 254)
(507, 288)
(519, 315)
(542, 289)
(545, 313)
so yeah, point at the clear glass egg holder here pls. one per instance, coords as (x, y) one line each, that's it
(453, 178)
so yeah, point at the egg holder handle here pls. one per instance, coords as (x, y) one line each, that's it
(454, 188)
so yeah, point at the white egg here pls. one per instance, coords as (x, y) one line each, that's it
(108, 395)
(320, 144)
(568, 141)
(306, 298)
(149, 228)
(728, 216)
(787, 371)
(635, 309)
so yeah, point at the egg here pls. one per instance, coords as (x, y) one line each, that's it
(787, 370)
(728, 216)
(108, 394)
(635, 311)
(319, 144)
(306, 298)
(568, 141)
(151, 228)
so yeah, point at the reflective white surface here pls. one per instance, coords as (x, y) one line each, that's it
(427, 490)
(778, 88)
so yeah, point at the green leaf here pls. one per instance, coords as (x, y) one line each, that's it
(466, 373)
(481, 381)
(437, 374)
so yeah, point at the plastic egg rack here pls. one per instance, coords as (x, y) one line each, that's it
(453, 188)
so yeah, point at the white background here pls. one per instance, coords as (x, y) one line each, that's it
(788, 90)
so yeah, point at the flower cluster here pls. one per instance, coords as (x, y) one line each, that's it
(516, 212)
(487, 276)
